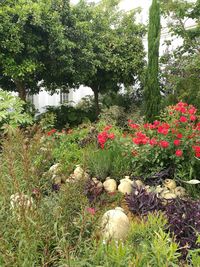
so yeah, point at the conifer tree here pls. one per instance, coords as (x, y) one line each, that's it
(152, 91)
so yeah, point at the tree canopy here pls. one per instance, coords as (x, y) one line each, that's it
(109, 49)
(34, 45)
(48, 43)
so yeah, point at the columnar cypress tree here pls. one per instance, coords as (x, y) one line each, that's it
(152, 91)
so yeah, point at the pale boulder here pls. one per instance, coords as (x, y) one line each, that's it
(125, 186)
(179, 191)
(79, 173)
(97, 182)
(169, 184)
(115, 225)
(110, 185)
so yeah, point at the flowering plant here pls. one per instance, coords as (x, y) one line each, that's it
(174, 140)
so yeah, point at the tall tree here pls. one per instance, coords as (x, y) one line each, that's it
(109, 50)
(152, 89)
(34, 47)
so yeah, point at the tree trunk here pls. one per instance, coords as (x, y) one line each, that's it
(96, 100)
(21, 89)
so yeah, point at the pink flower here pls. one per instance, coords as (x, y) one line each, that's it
(179, 153)
(91, 211)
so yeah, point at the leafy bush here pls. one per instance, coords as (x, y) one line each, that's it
(68, 116)
(12, 111)
(171, 142)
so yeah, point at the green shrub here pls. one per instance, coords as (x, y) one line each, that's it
(68, 116)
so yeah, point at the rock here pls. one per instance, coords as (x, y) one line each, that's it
(110, 185)
(115, 224)
(54, 168)
(97, 182)
(168, 195)
(20, 200)
(125, 186)
(56, 179)
(179, 191)
(149, 189)
(169, 184)
(138, 183)
(80, 174)
(159, 189)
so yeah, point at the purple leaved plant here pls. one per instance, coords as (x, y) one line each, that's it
(184, 222)
(141, 202)
(92, 191)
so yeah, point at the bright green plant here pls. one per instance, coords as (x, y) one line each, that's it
(12, 111)
(194, 255)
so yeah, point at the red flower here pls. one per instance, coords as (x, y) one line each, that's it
(111, 136)
(162, 130)
(140, 139)
(156, 123)
(153, 142)
(197, 151)
(51, 132)
(107, 128)
(179, 135)
(164, 144)
(177, 142)
(179, 153)
(193, 117)
(192, 110)
(134, 125)
(183, 119)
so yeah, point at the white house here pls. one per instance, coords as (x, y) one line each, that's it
(44, 99)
